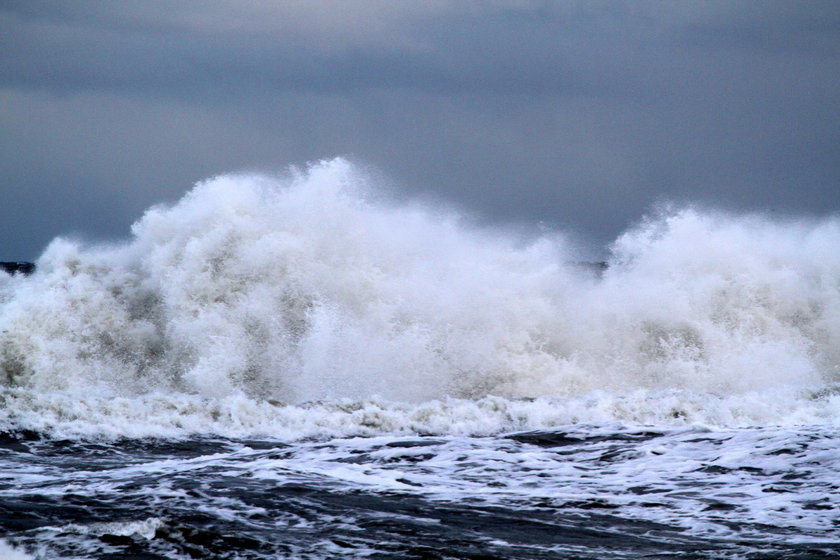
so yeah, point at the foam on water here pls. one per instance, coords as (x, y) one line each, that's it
(9, 552)
(305, 304)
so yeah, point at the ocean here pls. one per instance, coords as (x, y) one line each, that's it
(302, 366)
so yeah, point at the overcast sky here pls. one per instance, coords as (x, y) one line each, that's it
(581, 115)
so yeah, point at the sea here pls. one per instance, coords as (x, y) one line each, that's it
(304, 365)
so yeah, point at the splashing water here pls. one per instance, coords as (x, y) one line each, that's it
(303, 303)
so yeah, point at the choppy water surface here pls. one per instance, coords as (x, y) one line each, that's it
(579, 492)
(296, 367)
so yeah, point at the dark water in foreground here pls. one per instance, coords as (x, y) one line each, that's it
(583, 492)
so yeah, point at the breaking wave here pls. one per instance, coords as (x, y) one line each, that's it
(303, 304)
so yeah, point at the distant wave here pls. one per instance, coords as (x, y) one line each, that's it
(271, 292)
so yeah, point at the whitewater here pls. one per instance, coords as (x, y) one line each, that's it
(301, 366)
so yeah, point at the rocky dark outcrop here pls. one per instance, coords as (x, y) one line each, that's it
(18, 267)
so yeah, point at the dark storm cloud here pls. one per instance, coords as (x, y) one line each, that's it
(67, 52)
(576, 114)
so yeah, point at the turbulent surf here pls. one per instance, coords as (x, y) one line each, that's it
(299, 366)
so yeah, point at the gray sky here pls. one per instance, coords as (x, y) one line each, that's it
(580, 114)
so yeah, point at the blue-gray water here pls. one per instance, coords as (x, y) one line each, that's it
(302, 367)
(580, 492)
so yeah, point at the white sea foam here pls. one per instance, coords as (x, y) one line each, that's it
(9, 552)
(145, 528)
(263, 305)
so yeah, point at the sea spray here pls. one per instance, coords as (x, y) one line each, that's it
(271, 296)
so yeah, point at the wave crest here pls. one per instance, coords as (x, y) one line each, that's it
(305, 288)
